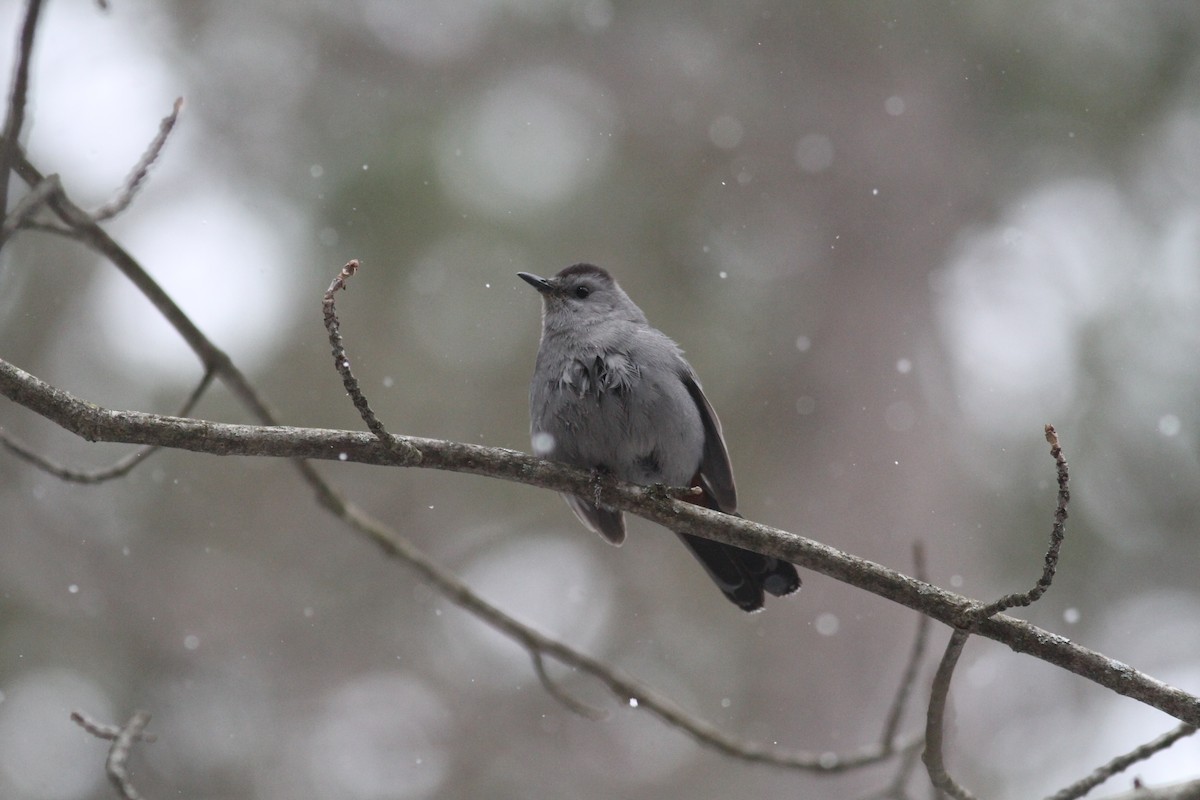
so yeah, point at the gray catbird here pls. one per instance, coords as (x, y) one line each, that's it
(612, 394)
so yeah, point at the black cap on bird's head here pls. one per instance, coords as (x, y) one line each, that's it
(581, 279)
(584, 289)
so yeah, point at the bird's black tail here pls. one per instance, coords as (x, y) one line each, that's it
(743, 575)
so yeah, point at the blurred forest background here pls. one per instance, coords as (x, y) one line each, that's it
(894, 238)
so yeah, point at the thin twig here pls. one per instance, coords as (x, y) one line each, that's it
(911, 669)
(1187, 790)
(623, 687)
(121, 468)
(342, 362)
(897, 789)
(935, 717)
(935, 720)
(95, 423)
(1123, 762)
(887, 740)
(118, 755)
(137, 176)
(562, 695)
(86, 230)
(122, 738)
(48, 227)
(102, 731)
(1057, 533)
(30, 203)
(14, 120)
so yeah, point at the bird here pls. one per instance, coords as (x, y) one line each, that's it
(614, 395)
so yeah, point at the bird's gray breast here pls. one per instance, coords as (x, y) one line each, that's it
(610, 374)
(625, 411)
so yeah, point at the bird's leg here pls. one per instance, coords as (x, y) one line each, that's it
(600, 477)
(661, 491)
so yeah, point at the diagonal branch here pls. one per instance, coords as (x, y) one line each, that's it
(122, 738)
(118, 755)
(1187, 790)
(909, 677)
(141, 170)
(215, 360)
(14, 119)
(341, 361)
(118, 470)
(1057, 534)
(29, 204)
(1124, 762)
(99, 424)
(935, 716)
(103, 731)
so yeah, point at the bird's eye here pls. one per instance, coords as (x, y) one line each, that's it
(582, 291)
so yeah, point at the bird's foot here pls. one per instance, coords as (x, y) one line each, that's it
(660, 491)
(601, 478)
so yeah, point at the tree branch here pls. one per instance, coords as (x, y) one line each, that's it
(118, 470)
(935, 716)
(14, 119)
(95, 423)
(1124, 762)
(141, 170)
(909, 678)
(99, 424)
(115, 766)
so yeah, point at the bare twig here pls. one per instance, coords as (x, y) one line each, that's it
(1124, 762)
(562, 695)
(29, 204)
(102, 731)
(623, 687)
(14, 119)
(47, 227)
(888, 738)
(342, 362)
(137, 176)
(935, 717)
(99, 424)
(1188, 790)
(935, 720)
(897, 788)
(85, 229)
(118, 755)
(1057, 532)
(121, 468)
(116, 765)
(909, 677)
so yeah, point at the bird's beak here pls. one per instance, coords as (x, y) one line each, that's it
(541, 284)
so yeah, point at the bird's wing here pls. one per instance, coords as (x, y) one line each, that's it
(608, 522)
(715, 473)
